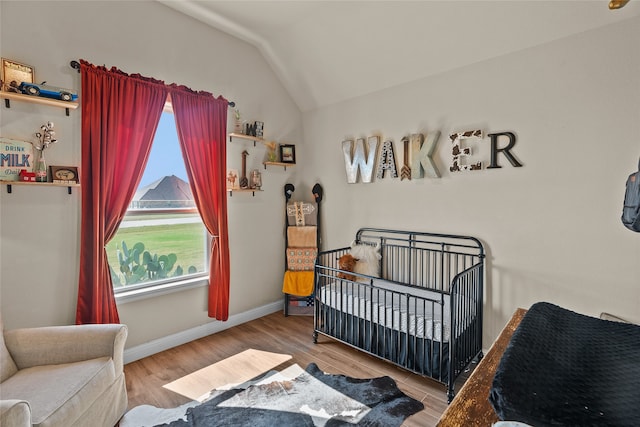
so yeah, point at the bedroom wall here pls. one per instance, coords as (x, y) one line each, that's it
(551, 228)
(39, 227)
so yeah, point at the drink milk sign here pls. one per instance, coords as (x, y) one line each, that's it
(14, 156)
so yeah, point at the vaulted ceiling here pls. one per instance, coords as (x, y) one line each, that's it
(325, 52)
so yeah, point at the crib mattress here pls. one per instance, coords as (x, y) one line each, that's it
(424, 316)
(565, 369)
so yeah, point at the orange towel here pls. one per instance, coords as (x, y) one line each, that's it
(299, 283)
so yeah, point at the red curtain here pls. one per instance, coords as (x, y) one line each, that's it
(120, 114)
(201, 122)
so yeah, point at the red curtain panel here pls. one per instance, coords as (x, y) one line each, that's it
(120, 114)
(201, 122)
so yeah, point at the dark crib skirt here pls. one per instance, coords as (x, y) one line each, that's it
(420, 355)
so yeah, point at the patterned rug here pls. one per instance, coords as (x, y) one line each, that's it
(312, 398)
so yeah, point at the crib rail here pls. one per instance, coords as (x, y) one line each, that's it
(428, 260)
(424, 313)
(466, 321)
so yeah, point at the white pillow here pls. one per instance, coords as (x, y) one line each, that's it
(368, 259)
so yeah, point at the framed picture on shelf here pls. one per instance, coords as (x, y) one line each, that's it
(14, 73)
(64, 174)
(287, 153)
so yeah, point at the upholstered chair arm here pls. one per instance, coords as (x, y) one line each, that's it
(15, 413)
(54, 345)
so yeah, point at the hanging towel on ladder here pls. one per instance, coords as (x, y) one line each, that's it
(299, 283)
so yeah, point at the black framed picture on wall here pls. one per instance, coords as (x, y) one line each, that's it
(287, 153)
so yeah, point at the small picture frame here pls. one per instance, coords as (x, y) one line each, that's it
(287, 153)
(64, 174)
(13, 73)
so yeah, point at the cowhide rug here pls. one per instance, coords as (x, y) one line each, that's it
(313, 398)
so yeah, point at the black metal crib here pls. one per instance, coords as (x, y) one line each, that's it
(424, 311)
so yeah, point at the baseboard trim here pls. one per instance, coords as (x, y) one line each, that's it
(161, 344)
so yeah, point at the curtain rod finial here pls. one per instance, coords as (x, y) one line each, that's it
(232, 104)
(75, 65)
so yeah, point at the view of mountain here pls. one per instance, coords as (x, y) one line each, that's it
(167, 192)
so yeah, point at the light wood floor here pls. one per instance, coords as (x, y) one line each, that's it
(275, 333)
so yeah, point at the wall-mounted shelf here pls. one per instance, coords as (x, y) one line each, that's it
(247, 137)
(10, 185)
(284, 165)
(242, 190)
(8, 96)
(267, 163)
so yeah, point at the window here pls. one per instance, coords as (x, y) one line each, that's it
(161, 239)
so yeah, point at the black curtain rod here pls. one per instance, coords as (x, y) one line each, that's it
(76, 66)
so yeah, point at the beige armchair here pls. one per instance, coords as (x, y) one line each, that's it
(67, 376)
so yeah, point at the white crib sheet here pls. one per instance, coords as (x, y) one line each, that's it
(387, 304)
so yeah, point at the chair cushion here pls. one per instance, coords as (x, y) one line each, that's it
(59, 394)
(15, 413)
(7, 365)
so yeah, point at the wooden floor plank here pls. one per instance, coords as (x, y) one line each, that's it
(278, 334)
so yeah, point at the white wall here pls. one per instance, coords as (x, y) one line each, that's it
(551, 228)
(39, 227)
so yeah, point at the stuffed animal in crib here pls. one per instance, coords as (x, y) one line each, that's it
(347, 263)
(368, 257)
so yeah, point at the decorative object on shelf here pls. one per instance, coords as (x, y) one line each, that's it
(14, 157)
(237, 128)
(25, 176)
(41, 168)
(256, 179)
(232, 179)
(259, 129)
(14, 73)
(287, 153)
(47, 91)
(45, 139)
(244, 182)
(64, 174)
(271, 151)
(253, 129)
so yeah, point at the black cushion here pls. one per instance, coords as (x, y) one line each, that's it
(565, 369)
